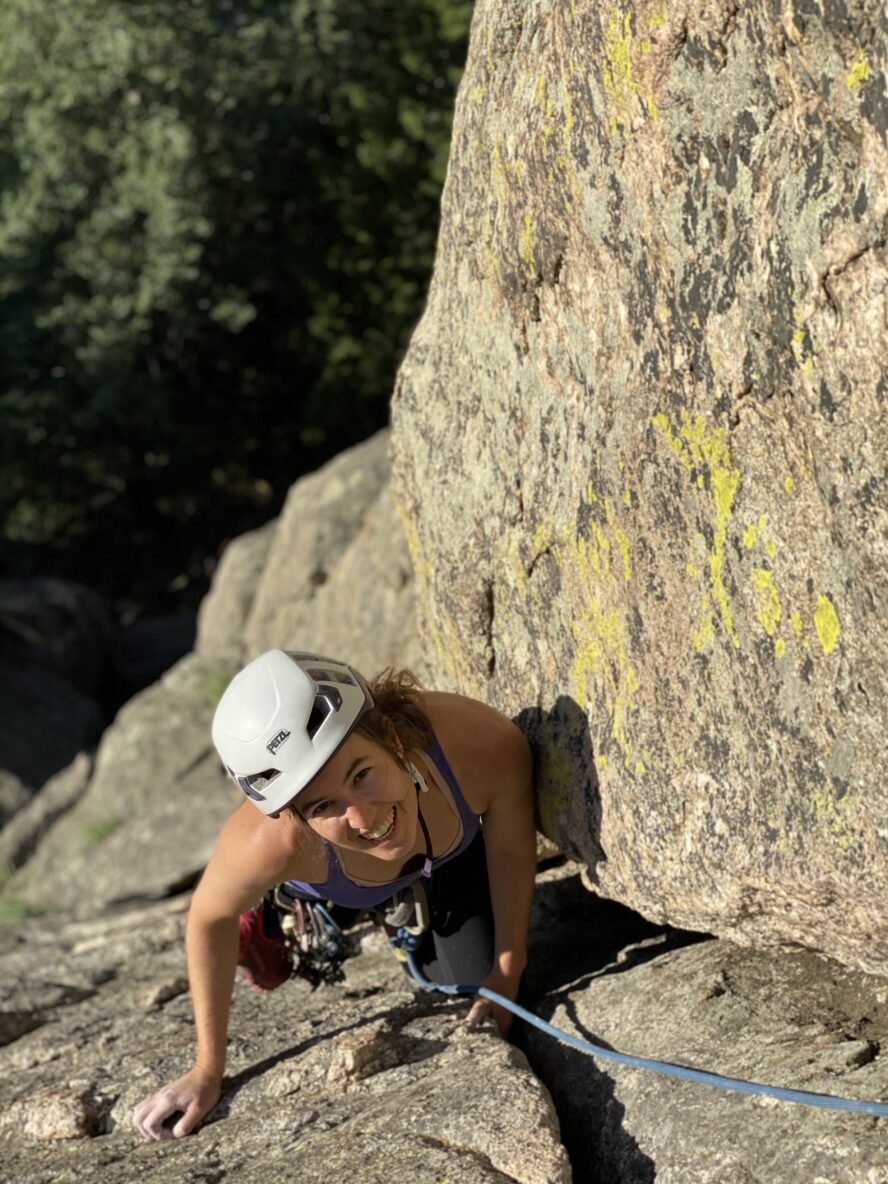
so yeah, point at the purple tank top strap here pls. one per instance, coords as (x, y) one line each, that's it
(469, 818)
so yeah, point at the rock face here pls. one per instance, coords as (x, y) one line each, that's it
(796, 1021)
(224, 610)
(145, 824)
(332, 574)
(359, 1081)
(640, 445)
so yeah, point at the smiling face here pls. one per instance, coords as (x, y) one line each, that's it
(363, 800)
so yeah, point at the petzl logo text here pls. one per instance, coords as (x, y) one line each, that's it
(276, 741)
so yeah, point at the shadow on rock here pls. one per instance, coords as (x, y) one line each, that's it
(561, 745)
(577, 937)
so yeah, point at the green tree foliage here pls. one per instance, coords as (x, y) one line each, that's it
(217, 219)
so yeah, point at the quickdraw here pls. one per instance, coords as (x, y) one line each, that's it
(313, 938)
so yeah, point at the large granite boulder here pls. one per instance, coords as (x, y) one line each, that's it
(45, 721)
(223, 612)
(323, 513)
(21, 834)
(145, 825)
(640, 445)
(366, 610)
(364, 1080)
(13, 795)
(792, 1019)
(332, 574)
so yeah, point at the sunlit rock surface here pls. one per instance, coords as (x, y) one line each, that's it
(793, 1020)
(364, 1080)
(332, 574)
(640, 444)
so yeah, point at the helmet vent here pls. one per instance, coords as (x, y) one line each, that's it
(260, 780)
(320, 711)
(331, 676)
(256, 782)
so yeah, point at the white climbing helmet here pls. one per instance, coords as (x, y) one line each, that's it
(282, 718)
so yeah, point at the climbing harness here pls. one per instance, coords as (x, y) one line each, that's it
(407, 912)
(802, 1097)
(312, 936)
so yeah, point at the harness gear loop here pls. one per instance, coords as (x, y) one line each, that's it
(312, 936)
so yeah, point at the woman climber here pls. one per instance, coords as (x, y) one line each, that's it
(354, 794)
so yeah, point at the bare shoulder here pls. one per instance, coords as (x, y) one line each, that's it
(252, 854)
(487, 752)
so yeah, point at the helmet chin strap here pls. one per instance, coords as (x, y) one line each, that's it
(421, 787)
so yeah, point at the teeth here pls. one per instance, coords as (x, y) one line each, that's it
(382, 830)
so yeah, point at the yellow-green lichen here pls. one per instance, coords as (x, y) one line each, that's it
(768, 609)
(601, 660)
(858, 74)
(789, 486)
(548, 124)
(795, 619)
(569, 120)
(623, 541)
(602, 670)
(94, 831)
(804, 359)
(779, 648)
(826, 623)
(620, 84)
(703, 633)
(835, 817)
(768, 545)
(526, 251)
(445, 638)
(750, 536)
(706, 452)
(215, 687)
(516, 565)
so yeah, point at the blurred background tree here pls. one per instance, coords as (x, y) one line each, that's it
(217, 224)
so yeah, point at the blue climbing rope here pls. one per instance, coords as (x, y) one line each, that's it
(664, 1068)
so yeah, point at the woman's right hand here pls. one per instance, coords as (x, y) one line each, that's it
(192, 1097)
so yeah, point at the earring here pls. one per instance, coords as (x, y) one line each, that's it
(418, 779)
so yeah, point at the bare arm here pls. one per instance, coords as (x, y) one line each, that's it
(494, 768)
(497, 774)
(510, 843)
(211, 940)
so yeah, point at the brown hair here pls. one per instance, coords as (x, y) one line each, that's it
(398, 712)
